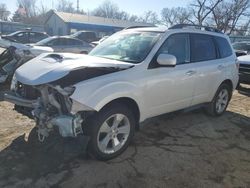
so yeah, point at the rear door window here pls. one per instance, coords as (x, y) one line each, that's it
(202, 48)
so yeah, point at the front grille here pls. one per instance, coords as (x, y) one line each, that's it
(244, 68)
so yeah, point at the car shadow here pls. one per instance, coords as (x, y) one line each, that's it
(28, 159)
(31, 159)
(244, 90)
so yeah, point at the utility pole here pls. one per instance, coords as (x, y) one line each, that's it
(77, 8)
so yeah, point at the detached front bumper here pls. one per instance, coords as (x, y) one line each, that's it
(20, 101)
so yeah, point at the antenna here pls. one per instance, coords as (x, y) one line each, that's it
(77, 8)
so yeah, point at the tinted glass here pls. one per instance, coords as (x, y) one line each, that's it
(22, 37)
(56, 42)
(177, 45)
(202, 48)
(224, 47)
(34, 37)
(73, 42)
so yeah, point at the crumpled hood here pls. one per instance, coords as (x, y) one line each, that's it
(245, 59)
(47, 67)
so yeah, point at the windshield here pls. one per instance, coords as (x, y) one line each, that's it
(242, 46)
(130, 47)
(44, 41)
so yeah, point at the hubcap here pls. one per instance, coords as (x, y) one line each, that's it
(222, 101)
(113, 133)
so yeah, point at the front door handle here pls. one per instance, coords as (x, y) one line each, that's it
(220, 67)
(190, 73)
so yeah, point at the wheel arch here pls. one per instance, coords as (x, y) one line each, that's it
(130, 103)
(229, 83)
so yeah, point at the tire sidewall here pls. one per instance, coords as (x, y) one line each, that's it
(96, 121)
(223, 86)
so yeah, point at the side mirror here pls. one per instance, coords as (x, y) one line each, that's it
(167, 60)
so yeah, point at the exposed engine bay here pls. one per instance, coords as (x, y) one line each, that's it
(52, 109)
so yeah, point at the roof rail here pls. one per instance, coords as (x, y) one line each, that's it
(200, 27)
(137, 26)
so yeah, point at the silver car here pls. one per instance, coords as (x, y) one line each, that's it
(66, 44)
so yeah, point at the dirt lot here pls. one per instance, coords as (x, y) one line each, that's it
(175, 150)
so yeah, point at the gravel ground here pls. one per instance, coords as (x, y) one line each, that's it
(174, 150)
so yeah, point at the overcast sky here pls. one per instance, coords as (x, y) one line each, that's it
(131, 6)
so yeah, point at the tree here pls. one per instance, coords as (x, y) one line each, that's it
(29, 6)
(122, 15)
(228, 14)
(4, 13)
(19, 15)
(65, 6)
(107, 9)
(134, 18)
(43, 9)
(173, 16)
(201, 9)
(150, 17)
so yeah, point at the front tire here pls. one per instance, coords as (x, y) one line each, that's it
(110, 131)
(220, 101)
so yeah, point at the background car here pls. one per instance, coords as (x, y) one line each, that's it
(66, 44)
(25, 37)
(241, 48)
(244, 70)
(87, 36)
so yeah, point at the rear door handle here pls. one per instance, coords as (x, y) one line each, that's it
(190, 73)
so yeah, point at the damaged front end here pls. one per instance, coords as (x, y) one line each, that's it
(53, 109)
(42, 89)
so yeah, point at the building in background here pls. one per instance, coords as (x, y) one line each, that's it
(10, 27)
(61, 23)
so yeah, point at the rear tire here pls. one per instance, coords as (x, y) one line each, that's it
(220, 101)
(110, 131)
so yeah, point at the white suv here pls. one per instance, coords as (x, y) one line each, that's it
(133, 75)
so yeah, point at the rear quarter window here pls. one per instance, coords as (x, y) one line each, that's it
(224, 47)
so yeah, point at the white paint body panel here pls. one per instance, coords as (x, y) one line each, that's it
(156, 91)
